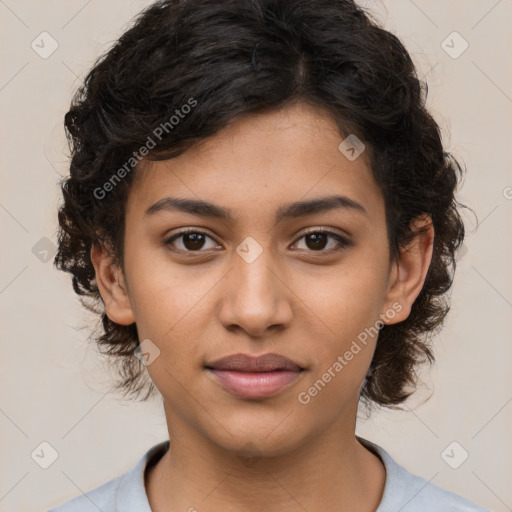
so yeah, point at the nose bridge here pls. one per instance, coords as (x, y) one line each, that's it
(252, 277)
(255, 277)
(255, 297)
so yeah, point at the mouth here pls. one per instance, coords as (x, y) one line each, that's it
(254, 377)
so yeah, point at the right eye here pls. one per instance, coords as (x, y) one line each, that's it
(192, 240)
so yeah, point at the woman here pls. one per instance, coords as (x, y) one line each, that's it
(263, 209)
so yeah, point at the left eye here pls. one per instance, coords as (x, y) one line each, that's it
(316, 240)
(193, 241)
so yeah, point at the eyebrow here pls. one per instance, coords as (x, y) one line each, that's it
(292, 210)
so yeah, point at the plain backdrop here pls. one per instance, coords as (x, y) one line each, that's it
(54, 387)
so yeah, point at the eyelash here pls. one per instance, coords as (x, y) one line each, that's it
(344, 242)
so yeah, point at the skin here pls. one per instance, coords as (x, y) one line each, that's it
(307, 302)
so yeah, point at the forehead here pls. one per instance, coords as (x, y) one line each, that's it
(260, 161)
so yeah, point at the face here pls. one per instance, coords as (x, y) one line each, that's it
(305, 283)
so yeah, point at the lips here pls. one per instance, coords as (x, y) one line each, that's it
(245, 363)
(250, 377)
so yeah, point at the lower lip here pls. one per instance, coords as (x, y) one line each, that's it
(255, 384)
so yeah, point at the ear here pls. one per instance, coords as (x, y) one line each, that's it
(409, 272)
(112, 287)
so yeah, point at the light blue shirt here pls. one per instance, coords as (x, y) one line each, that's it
(403, 491)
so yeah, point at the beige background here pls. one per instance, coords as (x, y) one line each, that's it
(53, 387)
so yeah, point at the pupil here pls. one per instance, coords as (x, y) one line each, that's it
(317, 238)
(193, 239)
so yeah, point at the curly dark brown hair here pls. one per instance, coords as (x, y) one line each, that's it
(228, 58)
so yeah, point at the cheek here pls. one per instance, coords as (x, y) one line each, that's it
(346, 335)
(172, 307)
(347, 306)
(348, 298)
(161, 293)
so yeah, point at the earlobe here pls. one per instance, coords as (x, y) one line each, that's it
(111, 285)
(410, 271)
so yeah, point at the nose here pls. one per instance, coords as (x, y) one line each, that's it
(256, 297)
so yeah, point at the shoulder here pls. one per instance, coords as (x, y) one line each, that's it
(124, 493)
(411, 493)
(101, 498)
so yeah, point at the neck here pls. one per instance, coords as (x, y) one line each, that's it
(330, 472)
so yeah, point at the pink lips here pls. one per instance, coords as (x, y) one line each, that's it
(254, 377)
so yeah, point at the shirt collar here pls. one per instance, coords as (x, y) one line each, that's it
(131, 492)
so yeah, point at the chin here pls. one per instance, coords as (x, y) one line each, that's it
(251, 438)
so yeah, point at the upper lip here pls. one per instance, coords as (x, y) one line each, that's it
(247, 363)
